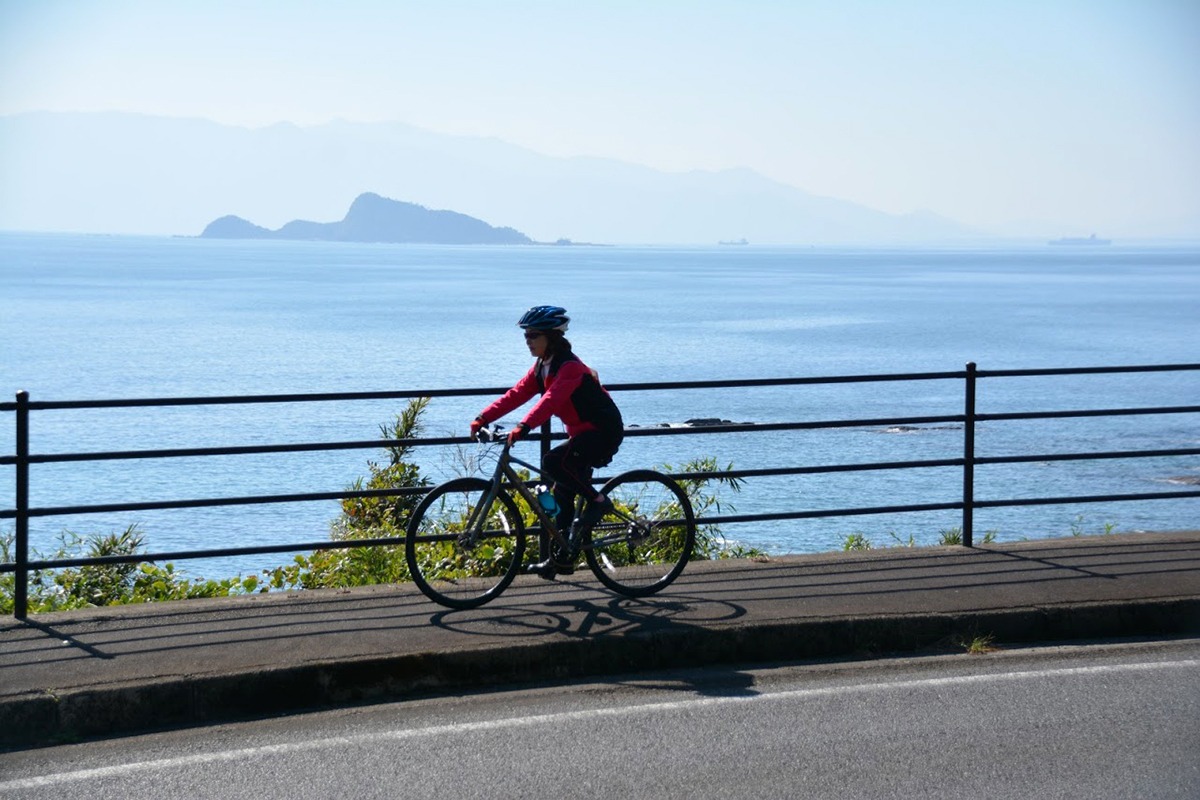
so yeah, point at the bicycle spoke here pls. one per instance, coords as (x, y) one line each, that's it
(456, 567)
(645, 543)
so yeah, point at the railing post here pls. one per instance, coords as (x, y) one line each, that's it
(968, 497)
(21, 583)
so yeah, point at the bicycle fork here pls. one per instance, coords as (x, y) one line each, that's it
(473, 530)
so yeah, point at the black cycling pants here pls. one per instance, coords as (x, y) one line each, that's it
(570, 466)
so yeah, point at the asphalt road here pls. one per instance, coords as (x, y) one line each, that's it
(1098, 721)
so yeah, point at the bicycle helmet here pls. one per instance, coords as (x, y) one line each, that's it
(545, 318)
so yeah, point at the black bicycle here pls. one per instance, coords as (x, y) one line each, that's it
(466, 539)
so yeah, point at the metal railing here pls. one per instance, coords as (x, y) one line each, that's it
(22, 459)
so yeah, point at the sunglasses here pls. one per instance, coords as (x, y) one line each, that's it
(531, 335)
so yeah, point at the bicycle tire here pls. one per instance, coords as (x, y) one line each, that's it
(450, 573)
(645, 563)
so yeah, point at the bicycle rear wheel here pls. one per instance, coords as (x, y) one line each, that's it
(643, 545)
(447, 570)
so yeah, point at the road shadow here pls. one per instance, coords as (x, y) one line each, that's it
(620, 638)
(586, 617)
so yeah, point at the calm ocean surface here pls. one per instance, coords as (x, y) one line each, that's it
(84, 317)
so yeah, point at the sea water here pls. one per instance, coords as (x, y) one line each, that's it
(99, 317)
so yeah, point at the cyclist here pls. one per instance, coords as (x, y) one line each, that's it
(571, 391)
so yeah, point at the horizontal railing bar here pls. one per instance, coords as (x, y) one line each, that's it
(682, 430)
(761, 427)
(768, 472)
(834, 512)
(325, 397)
(210, 502)
(146, 558)
(252, 399)
(319, 496)
(1183, 451)
(755, 382)
(717, 474)
(373, 444)
(1090, 498)
(1018, 373)
(848, 512)
(196, 452)
(929, 463)
(226, 552)
(1096, 412)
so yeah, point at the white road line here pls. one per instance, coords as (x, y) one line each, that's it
(248, 753)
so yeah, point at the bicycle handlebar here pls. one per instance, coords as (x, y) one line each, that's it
(495, 433)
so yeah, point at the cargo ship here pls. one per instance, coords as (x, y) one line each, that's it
(1081, 240)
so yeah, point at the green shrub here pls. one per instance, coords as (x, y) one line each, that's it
(703, 493)
(954, 536)
(108, 584)
(367, 518)
(856, 541)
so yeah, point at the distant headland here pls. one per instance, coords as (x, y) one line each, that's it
(372, 218)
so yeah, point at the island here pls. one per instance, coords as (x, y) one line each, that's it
(372, 218)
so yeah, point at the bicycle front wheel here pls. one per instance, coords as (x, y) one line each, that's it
(644, 543)
(450, 569)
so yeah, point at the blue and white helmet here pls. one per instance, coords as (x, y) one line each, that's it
(545, 318)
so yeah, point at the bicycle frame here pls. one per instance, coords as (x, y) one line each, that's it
(504, 471)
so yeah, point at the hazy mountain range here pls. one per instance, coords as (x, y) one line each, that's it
(127, 173)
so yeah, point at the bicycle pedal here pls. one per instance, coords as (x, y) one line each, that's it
(550, 569)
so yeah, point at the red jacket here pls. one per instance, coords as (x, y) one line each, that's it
(572, 392)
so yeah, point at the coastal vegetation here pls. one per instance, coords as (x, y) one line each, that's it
(949, 536)
(857, 541)
(111, 583)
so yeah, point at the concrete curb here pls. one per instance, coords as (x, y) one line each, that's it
(43, 718)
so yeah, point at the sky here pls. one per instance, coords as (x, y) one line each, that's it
(1087, 112)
